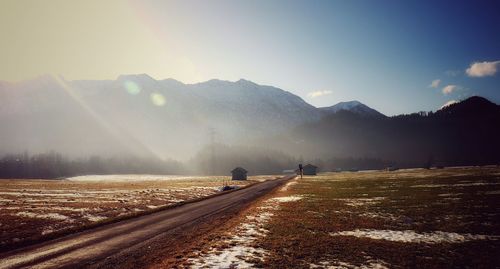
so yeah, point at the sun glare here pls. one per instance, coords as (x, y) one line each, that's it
(158, 99)
(132, 87)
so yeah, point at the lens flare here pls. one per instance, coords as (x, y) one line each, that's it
(132, 87)
(158, 99)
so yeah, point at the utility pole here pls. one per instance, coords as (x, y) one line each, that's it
(213, 160)
(212, 151)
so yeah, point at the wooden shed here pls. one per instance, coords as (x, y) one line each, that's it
(239, 173)
(310, 170)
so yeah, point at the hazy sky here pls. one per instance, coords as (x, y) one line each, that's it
(395, 56)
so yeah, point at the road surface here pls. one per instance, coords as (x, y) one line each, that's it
(100, 243)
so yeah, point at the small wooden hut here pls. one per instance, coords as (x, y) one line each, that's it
(310, 170)
(239, 173)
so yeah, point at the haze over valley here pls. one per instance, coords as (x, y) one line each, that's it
(136, 116)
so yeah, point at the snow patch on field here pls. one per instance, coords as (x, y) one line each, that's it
(242, 249)
(287, 199)
(455, 185)
(336, 264)
(430, 186)
(47, 231)
(129, 178)
(362, 201)
(450, 194)
(492, 192)
(379, 215)
(288, 185)
(230, 258)
(54, 216)
(451, 199)
(410, 236)
(45, 194)
(94, 218)
(55, 208)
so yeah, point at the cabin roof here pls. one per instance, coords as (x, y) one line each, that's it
(310, 166)
(239, 169)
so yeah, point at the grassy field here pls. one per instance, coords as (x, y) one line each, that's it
(31, 210)
(444, 218)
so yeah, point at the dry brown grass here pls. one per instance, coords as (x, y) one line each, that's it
(449, 200)
(31, 210)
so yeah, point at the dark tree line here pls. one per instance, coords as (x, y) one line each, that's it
(258, 161)
(53, 165)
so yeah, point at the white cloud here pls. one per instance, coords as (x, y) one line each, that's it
(448, 103)
(435, 83)
(483, 69)
(318, 93)
(449, 89)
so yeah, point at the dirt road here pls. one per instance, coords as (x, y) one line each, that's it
(91, 246)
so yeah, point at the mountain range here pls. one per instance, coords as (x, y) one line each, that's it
(463, 133)
(354, 107)
(138, 115)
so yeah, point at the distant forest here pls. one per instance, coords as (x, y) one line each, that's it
(255, 160)
(465, 133)
(53, 165)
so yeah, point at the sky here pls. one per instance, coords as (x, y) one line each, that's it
(395, 56)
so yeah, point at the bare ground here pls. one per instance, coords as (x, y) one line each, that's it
(445, 218)
(34, 210)
(136, 241)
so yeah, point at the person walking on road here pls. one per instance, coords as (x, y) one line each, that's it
(301, 170)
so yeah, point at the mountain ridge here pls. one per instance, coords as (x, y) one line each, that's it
(159, 117)
(144, 77)
(139, 115)
(472, 106)
(353, 106)
(461, 134)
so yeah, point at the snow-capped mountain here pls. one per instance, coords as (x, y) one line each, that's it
(136, 113)
(353, 106)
